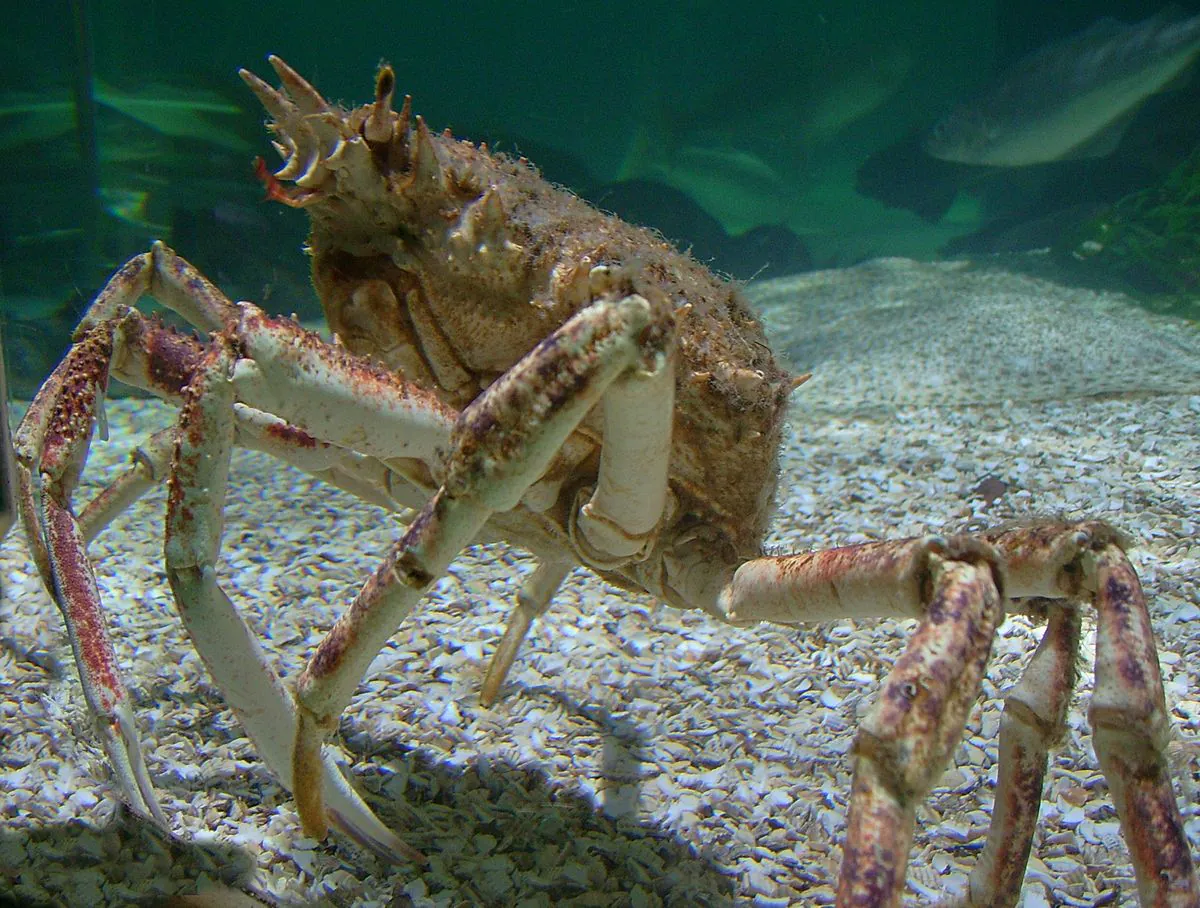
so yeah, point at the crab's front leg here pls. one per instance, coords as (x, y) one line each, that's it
(502, 444)
(51, 449)
(617, 519)
(52, 445)
(195, 504)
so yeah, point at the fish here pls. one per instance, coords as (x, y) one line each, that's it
(733, 184)
(741, 146)
(1072, 99)
(185, 113)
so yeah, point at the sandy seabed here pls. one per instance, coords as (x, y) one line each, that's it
(640, 755)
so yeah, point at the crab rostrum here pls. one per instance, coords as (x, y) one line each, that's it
(512, 364)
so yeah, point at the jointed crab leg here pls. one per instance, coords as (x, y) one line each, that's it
(1128, 713)
(918, 719)
(1063, 562)
(51, 449)
(1034, 719)
(502, 443)
(52, 446)
(1131, 730)
(618, 519)
(151, 463)
(952, 584)
(532, 601)
(196, 492)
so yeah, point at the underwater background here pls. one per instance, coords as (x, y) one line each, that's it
(976, 224)
(768, 139)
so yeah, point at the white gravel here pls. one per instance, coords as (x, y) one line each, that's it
(641, 756)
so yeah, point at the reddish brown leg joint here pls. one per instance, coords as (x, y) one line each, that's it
(1131, 731)
(914, 726)
(1035, 716)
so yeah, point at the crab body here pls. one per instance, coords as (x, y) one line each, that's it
(454, 263)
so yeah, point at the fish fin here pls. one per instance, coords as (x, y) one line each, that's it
(177, 114)
(653, 144)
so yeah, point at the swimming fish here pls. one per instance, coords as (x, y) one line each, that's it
(740, 143)
(733, 184)
(1072, 99)
(186, 113)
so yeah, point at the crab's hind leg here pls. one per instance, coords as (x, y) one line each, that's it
(1082, 562)
(1034, 720)
(1048, 569)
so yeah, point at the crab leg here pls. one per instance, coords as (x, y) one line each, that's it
(1128, 713)
(1034, 719)
(51, 449)
(196, 492)
(151, 463)
(621, 514)
(906, 740)
(52, 446)
(1062, 562)
(502, 444)
(618, 519)
(952, 584)
(532, 602)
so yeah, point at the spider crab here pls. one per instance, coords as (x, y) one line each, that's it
(511, 363)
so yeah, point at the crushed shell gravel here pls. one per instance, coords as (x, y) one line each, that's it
(640, 755)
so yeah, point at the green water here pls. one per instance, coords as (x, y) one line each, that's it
(768, 139)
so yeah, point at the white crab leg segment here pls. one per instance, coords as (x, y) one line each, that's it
(881, 579)
(502, 444)
(196, 494)
(624, 510)
(532, 601)
(334, 396)
(364, 477)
